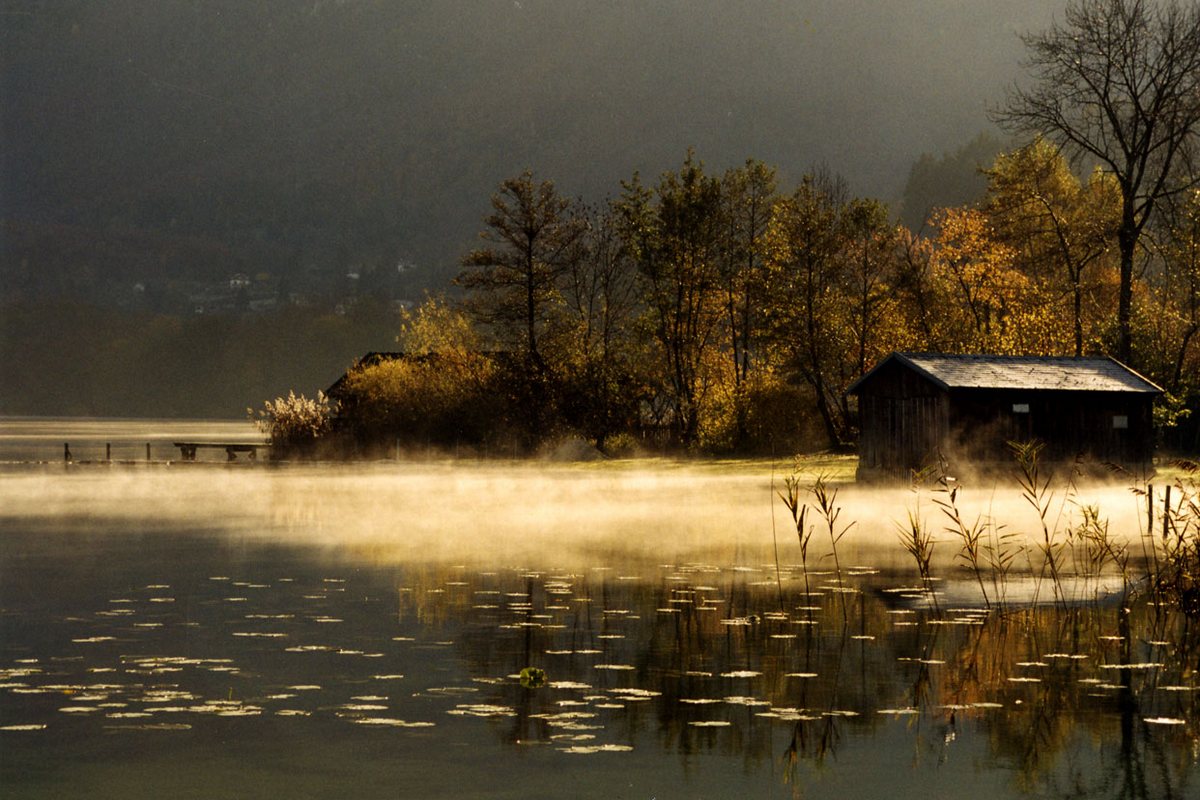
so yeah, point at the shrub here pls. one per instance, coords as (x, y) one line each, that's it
(439, 399)
(294, 422)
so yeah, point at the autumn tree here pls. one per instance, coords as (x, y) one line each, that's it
(808, 313)
(1181, 256)
(918, 293)
(447, 343)
(988, 301)
(1118, 82)
(438, 391)
(747, 200)
(601, 364)
(437, 327)
(513, 281)
(748, 197)
(423, 400)
(674, 233)
(870, 251)
(1061, 228)
(1171, 316)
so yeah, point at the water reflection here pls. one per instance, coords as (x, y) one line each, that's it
(681, 678)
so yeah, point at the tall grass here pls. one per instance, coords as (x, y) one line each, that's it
(986, 548)
(1176, 576)
(917, 540)
(1035, 489)
(791, 495)
(294, 422)
(821, 499)
(826, 504)
(1073, 546)
(1100, 549)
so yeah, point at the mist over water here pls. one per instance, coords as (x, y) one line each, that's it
(528, 513)
(499, 628)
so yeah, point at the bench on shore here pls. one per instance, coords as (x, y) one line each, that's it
(187, 450)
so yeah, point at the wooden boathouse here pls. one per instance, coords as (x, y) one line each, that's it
(918, 408)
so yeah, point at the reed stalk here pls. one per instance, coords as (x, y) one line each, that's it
(970, 536)
(791, 496)
(1178, 577)
(775, 543)
(826, 505)
(918, 542)
(1100, 548)
(1035, 489)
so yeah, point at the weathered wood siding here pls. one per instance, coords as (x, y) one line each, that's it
(1095, 426)
(908, 422)
(904, 419)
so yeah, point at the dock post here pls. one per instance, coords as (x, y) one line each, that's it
(108, 451)
(1166, 513)
(1150, 510)
(147, 451)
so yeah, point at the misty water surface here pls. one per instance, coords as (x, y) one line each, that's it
(264, 631)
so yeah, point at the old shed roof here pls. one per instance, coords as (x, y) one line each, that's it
(1046, 373)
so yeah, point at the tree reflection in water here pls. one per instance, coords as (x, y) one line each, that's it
(1084, 700)
(687, 678)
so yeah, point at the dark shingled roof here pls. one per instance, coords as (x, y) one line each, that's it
(1052, 373)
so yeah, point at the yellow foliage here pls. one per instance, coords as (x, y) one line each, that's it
(992, 306)
(436, 327)
(437, 397)
(1063, 234)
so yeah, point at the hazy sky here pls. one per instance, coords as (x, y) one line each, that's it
(365, 126)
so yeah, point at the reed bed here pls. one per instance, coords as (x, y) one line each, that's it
(1070, 551)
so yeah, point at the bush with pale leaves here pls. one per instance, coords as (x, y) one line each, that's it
(294, 420)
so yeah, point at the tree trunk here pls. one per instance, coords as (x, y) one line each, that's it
(1078, 300)
(826, 412)
(1126, 241)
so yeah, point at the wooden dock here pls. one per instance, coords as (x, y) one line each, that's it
(187, 450)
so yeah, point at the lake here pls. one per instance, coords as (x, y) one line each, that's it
(501, 629)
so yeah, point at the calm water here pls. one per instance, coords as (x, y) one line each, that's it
(298, 632)
(24, 439)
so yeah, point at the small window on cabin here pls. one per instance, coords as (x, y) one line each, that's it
(1120, 422)
(1020, 408)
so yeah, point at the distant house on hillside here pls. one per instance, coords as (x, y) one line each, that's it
(915, 408)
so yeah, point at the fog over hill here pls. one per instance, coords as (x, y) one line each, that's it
(329, 135)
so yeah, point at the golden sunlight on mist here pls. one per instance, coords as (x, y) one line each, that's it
(523, 514)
